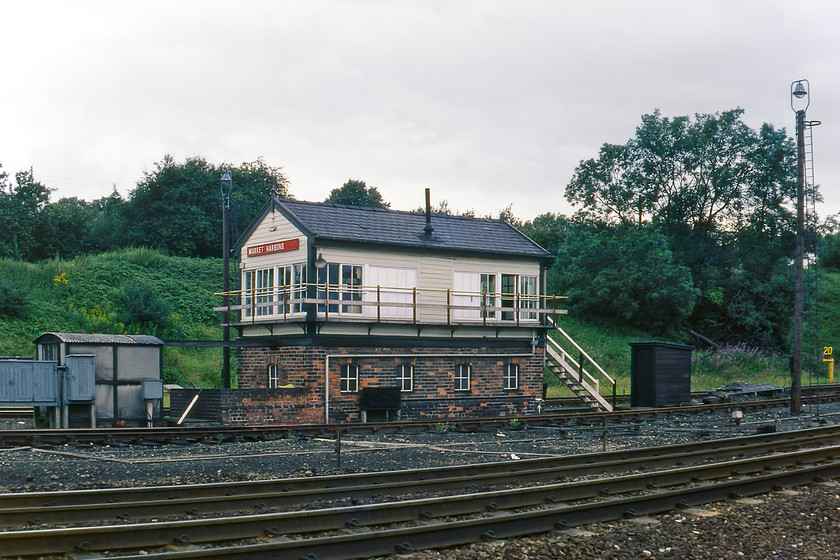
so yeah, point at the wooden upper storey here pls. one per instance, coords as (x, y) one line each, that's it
(303, 262)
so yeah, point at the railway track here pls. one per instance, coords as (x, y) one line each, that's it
(490, 500)
(190, 434)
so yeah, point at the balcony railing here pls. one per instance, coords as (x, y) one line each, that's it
(384, 304)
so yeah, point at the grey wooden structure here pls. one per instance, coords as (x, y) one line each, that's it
(45, 384)
(128, 373)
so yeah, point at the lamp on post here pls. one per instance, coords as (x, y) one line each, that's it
(226, 184)
(800, 99)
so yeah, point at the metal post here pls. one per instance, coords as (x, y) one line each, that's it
(226, 185)
(799, 260)
(801, 97)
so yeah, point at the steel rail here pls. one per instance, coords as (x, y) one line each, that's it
(217, 434)
(37, 504)
(440, 535)
(145, 535)
(286, 493)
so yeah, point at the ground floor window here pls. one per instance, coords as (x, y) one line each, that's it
(273, 377)
(511, 377)
(405, 377)
(349, 381)
(462, 377)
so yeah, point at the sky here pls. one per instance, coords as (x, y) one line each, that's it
(488, 103)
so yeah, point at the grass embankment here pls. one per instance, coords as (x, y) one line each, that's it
(94, 294)
(98, 294)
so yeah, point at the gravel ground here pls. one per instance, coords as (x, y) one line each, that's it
(788, 525)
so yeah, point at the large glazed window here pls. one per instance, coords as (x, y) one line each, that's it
(265, 290)
(293, 284)
(476, 294)
(258, 290)
(343, 283)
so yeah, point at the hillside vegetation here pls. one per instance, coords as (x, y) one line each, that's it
(128, 291)
(144, 291)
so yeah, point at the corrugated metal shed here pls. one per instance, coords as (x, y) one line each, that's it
(121, 363)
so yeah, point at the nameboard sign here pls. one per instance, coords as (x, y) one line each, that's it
(276, 247)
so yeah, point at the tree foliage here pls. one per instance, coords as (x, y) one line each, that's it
(177, 206)
(624, 274)
(357, 193)
(20, 213)
(720, 193)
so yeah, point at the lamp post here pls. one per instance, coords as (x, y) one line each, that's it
(226, 186)
(800, 99)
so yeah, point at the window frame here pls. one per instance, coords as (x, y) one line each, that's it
(528, 296)
(50, 352)
(291, 283)
(402, 377)
(351, 282)
(273, 376)
(507, 376)
(483, 290)
(460, 377)
(349, 377)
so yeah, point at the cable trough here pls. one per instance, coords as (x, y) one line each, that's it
(484, 501)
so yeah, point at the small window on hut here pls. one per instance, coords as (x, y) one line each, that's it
(49, 352)
(462, 377)
(349, 378)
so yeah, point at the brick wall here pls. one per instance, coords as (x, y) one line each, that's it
(302, 368)
(248, 406)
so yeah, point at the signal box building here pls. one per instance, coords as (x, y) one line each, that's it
(348, 314)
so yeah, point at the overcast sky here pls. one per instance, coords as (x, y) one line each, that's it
(488, 103)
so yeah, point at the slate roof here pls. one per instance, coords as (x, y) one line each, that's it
(83, 338)
(327, 222)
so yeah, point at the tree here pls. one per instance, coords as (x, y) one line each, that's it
(721, 195)
(70, 227)
(357, 193)
(177, 207)
(608, 187)
(626, 275)
(64, 229)
(20, 209)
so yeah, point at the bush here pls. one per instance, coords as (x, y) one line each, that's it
(625, 275)
(141, 306)
(14, 301)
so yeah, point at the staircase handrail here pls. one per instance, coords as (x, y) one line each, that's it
(578, 372)
(583, 353)
(572, 368)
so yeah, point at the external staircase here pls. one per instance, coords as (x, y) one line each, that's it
(583, 376)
